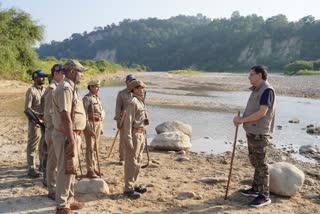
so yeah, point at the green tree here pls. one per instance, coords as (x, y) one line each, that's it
(18, 34)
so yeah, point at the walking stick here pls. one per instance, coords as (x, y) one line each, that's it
(115, 137)
(233, 151)
(95, 140)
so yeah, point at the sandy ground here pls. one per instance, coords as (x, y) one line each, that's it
(20, 194)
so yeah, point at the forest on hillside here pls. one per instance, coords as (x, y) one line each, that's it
(196, 42)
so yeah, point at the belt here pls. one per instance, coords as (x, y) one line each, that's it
(94, 119)
(78, 132)
(139, 130)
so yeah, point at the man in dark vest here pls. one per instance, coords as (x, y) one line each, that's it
(258, 122)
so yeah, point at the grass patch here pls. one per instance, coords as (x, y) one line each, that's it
(184, 72)
(302, 72)
(307, 72)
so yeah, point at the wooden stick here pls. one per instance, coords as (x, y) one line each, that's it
(232, 157)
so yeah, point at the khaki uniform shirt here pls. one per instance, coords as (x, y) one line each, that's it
(123, 100)
(48, 104)
(92, 104)
(136, 116)
(62, 101)
(33, 99)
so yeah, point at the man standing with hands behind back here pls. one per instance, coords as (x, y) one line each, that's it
(123, 99)
(258, 122)
(69, 120)
(134, 136)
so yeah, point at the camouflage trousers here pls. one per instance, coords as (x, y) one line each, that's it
(258, 156)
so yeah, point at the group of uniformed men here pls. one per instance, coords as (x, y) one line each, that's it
(61, 115)
(66, 115)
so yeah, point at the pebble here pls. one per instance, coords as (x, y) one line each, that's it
(294, 120)
(181, 152)
(185, 195)
(309, 182)
(212, 180)
(311, 196)
(171, 152)
(182, 158)
(153, 165)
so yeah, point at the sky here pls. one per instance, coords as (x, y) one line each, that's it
(62, 18)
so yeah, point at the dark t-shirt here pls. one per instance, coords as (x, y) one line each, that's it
(267, 97)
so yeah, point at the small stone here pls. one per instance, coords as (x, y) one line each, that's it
(246, 181)
(181, 152)
(182, 158)
(240, 141)
(206, 137)
(279, 127)
(311, 196)
(150, 185)
(294, 120)
(171, 152)
(153, 165)
(309, 182)
(185, 195)
(212, 180)
(198, 197)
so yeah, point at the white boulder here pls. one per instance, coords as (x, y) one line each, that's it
(169, 141)
(96, 185)
(285, 179)
(175, 125)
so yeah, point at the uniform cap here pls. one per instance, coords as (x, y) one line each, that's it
(38, 73)
(57, 68)
(135, 83)
(130, 77)
(74, 65)
(94, 82)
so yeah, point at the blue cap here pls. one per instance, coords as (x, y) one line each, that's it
(38, 73)
(130, 77)
(57, 68)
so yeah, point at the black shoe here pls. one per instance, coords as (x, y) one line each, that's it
(33, 173)
(260, 201)
(132, 194)
(249, 192)
(140, 189)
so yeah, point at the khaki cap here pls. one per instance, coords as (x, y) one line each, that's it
(94, 82)
(74, 65)
(135, 83)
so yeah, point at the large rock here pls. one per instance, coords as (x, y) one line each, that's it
(285, 179)
(92, 186)
(171, 141)
(313, 130)
(171, 126)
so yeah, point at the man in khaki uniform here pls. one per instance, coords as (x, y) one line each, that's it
(33, 101)
(69, 120)
(134, 136)
(95, 116)
(57, 75)
(123, 99)
(258, 122)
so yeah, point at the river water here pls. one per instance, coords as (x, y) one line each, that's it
(212, 132)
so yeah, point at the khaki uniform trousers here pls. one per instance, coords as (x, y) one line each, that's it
(91, 158)
(34, 138)
(133, 160)
(121, 147)
(65, 183)
(51, 162)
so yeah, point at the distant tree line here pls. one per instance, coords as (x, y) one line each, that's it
(196, 42)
